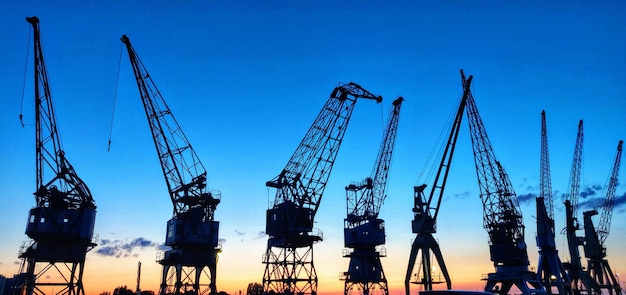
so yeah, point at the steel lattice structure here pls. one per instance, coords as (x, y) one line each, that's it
(61, 225)
(192, 233)
(363, 230)
(289, 267)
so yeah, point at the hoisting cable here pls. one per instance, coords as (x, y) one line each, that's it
(117, 82)
(30, 30)
(438, 148)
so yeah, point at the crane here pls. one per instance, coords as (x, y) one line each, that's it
(61, 225)
(299, 188)
(363, 230)
(550, 271)
(595, 249)
(501, 213)
(426, 210)
(192, 233)
(581, 281)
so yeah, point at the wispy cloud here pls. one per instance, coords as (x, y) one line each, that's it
(526, 198)
(120, 249)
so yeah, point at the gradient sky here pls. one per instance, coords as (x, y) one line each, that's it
(245, 79)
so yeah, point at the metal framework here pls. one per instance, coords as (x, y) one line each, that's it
(61, 224)
(550, 271)
(502, 217)
(363, 230)
(289, 267)
(192, 233)
(595, 249)
(581, 281)
(425, 211)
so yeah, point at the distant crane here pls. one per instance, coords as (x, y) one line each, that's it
(595, 249)
(550, 271)
(426, 210)
(62, 222)
(192, 233)
(502, 217)
(581, 281)
(363, 230)
(299, 188)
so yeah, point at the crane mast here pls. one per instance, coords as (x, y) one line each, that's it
(595, 249)
(502, 217)
(192, 233)
(61, 225)
(425, 211)
(299, 187)
(581, 281)
(363, 230)
(550, 271)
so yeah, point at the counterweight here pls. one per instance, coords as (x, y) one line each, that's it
(61, 225)
(192, 233)
(299, 188)
(363, 230)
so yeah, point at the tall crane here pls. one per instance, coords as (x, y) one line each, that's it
(595, 249)
(550, 271)
(61, 225)
(426, 210)
(581, 281)
(502, 217)
(192, 233)
(363, 230)
(299, 187)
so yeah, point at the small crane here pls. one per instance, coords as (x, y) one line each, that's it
(595, 249)
(299, 188)
(192, 233)
(363, 230)
(502, 217)
(550, 271)
(578, 276)
(425, 211)
(61, 225)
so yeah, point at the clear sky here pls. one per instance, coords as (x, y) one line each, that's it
(245, 79)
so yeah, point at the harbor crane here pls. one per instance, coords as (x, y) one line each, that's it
(595, 249)
(61, 225)
(550, 271)
(502, 217)
(289, 267)
(192, 233)
(581, 281)
(363, 230)
(426, 210)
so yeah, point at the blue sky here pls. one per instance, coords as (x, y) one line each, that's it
(245, 79)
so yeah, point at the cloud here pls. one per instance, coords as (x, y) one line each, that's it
(119, 249)
(526, 198)
(260, 235)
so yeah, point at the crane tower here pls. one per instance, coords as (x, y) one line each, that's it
(502, 217)
(550, 271)
(299, 187)
(581, 281)
(363, 230)
(192, 233)
(61, 224)
(595, 249)
(425, 211)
